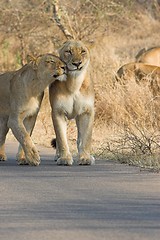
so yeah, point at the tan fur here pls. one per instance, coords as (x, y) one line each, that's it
(20, 100)
(150, 56)
(141, 73)
(73, 99)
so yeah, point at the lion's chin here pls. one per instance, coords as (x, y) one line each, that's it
(62, 78)
(75, 70)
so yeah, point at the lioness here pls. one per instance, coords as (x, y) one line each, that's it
(140, 73)
(20, 100)
(73, 99)
(150, 56)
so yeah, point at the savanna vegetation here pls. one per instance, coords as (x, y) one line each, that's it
(127, 119)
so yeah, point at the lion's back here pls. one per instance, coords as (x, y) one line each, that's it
(150, 56)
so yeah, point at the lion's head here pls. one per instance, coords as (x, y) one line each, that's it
(75, 55)
(49, 66)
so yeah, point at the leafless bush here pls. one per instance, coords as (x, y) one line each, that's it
(136, 146)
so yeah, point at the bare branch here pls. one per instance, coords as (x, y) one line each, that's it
(22, 49)
(57, 19)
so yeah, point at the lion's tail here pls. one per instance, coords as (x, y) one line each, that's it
(53, 142)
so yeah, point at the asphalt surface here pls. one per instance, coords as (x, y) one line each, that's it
(49, 202)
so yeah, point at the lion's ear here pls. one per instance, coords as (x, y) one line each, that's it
(37, 60)
(89, 44)
(33, 61)
(30, 59)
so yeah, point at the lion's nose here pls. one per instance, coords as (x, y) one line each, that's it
(77, 63)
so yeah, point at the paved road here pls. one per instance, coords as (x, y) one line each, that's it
(106, 201)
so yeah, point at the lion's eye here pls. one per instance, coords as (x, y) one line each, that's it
(50, 61)
(68, 52)
(83, 52)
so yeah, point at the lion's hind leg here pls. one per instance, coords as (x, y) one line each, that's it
(3, 132)
(21, 156)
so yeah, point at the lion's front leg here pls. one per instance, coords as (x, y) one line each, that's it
(29, 124)
(19, 131)
(85, 126)
(60, 126)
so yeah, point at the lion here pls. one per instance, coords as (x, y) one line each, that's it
(73, 99)
(141, 73)
(150, 56)
(20, 100)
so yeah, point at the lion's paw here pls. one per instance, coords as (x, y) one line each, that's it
(33, 158)
(65, 161)
(56, 157)
(22, 161)
(86, 161)
(3, 157)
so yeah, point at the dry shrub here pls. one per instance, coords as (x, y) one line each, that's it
(134, 146)
(133, 111)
